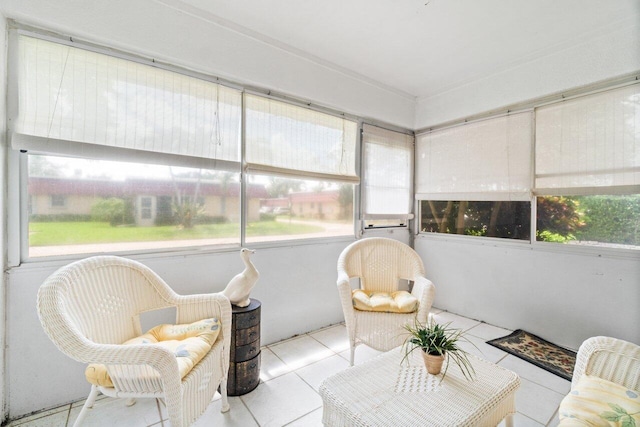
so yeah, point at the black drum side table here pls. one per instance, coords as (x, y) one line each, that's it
(244, 360)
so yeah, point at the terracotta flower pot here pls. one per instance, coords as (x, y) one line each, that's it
(433, 362)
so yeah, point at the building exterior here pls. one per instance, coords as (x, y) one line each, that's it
(153, 201)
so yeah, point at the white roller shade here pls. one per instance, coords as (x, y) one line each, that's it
(74, 95)
(286, 139)
(488, 160)
(590, 145)
(387, 172)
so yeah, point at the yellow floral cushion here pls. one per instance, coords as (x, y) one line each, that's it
(598, 402)
(189, 342)
(395, 302)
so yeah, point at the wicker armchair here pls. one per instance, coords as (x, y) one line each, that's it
(592, 400)
(380, 264)
(611, 359)
(88, 308)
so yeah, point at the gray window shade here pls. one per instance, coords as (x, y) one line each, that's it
(488, 160)
(387, 172)
(286, 139)
(70, 96)
(589, 145)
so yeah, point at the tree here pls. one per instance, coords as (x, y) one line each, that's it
(504, 219)
(558, 218)
(186, 207)
(41, 166)
(610, 219)
(281, 187)
(345, 199)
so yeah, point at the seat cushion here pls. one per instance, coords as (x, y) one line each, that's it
(189, 342)
(598, 402)
(395, 302)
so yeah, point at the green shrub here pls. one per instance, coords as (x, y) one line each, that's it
(60, 218)
(113, 210)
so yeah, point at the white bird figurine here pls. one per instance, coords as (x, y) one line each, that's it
(240, 286)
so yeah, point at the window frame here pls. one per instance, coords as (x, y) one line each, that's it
(17, 170)
(363, 217)
(533, 243)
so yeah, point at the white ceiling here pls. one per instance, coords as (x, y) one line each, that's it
(419, 47)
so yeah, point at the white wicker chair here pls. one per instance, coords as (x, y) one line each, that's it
(609, 358)
(380, 263)
(88, 308)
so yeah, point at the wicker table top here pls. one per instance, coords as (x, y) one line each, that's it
(384, 392)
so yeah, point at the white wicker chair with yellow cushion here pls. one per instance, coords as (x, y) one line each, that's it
(380, 264)
(90, 308)
(605, 385)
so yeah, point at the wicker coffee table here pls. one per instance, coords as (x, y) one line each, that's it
(384, 392)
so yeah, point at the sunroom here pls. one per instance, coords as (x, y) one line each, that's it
(499, 140)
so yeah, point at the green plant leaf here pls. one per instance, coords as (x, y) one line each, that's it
(628, 421)
(619, 409)
(611, 416)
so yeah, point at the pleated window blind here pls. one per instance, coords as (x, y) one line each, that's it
(488, 160)
(387, 172)
(70, 96)
(590, 145)
(286, 139)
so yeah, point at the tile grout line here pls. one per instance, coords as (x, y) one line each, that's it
(249, 410)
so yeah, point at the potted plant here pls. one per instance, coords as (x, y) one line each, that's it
(436, 343)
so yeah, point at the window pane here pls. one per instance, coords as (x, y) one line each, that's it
(612, 221)
(281, 137)
(73, 94)
(297, 209)
(484, 160)
(508, 220)
(388, 160)
(86, 206)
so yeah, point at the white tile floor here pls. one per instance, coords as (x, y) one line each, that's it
(292, 371)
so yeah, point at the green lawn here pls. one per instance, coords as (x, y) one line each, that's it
(77, 233)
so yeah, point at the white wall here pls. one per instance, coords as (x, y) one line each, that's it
(561, 296)
(615, 53)
(153, 29)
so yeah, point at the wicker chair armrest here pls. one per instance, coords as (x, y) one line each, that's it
(191, 308)
(425, 291)
(344, 290)
(611, 359)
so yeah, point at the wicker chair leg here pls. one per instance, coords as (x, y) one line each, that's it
(88, 404)
(352, 345)
(223, 393)
(131, 401)
(508, 421)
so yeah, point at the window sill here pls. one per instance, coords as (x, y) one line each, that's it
(594, 251)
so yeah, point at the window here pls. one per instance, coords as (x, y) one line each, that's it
(387, 177)
(139, 157)
(57, 201)
(145, 207)
(475, 179)
(301, 167)
(603, 220)
(279, 209)
(587, 176)
(503, 219)
(101, 208)
(485, 160)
